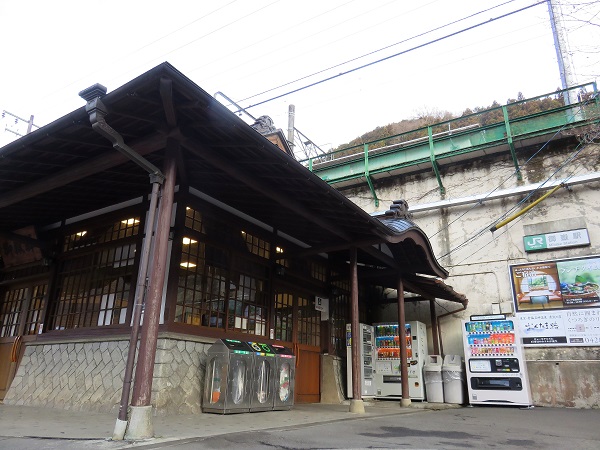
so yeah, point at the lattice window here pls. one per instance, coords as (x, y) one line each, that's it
(309, 322)
(99, 235)
(193, 220)
(202, 288)
(33, 318)
(94, 276)
(318, 271)
(256, 245)
(10, 311)
(339, 311)
(247, 309)
(284, 307)
(281, 261)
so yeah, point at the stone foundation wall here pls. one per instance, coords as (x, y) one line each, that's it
(88, 376)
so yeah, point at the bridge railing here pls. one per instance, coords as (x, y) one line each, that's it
(495, 126)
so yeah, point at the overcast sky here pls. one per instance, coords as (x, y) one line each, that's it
(255, 50)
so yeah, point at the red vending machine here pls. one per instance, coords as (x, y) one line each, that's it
(495, 365)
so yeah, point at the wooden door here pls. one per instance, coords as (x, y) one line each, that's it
(20, 315)
(308, 374)
(298, 324)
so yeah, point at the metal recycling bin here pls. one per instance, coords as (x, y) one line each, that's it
(434, 383)
(227, 383)
(262, 375)
(453, 374)
(285, 376)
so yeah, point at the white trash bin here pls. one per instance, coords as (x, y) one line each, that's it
(454, 379)
(434, 384)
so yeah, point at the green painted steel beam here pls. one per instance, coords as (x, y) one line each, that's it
(423, 146)
(511, 145)
(433, 162)
(368, 175)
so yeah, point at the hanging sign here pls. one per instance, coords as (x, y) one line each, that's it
(322, 304)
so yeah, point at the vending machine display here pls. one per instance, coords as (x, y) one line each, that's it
(495, 366)
(366, 358)
(387, 368)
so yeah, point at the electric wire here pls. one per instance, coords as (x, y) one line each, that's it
(376, 51)
(130, 54)
(514, 173)
(287, 30)
(483, 231)
(433, 41)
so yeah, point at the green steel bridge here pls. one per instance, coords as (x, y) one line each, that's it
(502, 129)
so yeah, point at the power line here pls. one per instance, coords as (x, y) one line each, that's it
(130, 54)
(484, 230)
(397, 54)
(537, 152)
(376, 51)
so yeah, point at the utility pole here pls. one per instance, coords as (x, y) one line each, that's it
(291, 116)
(563, 55)
(29, 122)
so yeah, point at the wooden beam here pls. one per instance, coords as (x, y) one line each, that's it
(91, 167)
(24, 239)
(206, 153)
(166, 95)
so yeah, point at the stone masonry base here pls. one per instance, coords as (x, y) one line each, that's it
(88, 375)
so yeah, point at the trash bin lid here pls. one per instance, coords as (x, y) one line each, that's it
(434, 359)
(452, 362)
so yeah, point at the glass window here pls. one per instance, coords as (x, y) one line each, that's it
(309, 322)
(202, 287)
(94, 276)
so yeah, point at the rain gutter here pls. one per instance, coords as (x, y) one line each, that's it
(97, 112)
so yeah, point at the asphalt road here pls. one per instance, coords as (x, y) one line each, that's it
(470, 428)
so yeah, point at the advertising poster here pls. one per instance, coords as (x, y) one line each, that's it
(557, 303)
(577, 327)
(560, 284)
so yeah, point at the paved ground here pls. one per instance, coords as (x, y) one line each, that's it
(384, 425)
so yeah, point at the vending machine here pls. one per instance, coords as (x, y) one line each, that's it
(366, 357)
(495, 365)
(387, 367)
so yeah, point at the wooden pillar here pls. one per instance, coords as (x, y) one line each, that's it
(434, 328)
(402, 336)
(144, 372)
(356, 404)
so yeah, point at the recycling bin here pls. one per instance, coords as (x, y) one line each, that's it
(227, 382)
(434, 383)
(262, 377)
(285, 375)
(454, 379)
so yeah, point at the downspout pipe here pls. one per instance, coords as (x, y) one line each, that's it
(97, 111)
